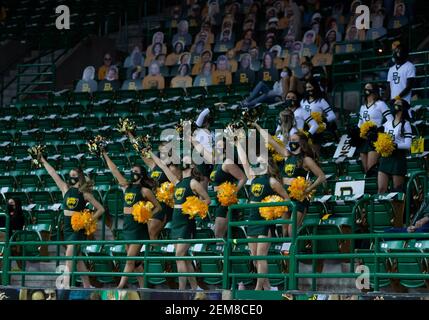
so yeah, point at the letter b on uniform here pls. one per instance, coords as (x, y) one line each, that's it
(63, 21)
(362, 22)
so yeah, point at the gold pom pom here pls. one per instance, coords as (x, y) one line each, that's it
(126, 126)
(97, 145)
(36, 153)
(384, 145)
(271, 213)
(365, 127)
(84, 220)
(165, 193)
(227, 194)
(142, 211)
(297, 189)
(193, 207)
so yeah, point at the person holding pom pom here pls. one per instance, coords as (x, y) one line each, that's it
(299, 162)
(395, 164)
(373, 110)
(77, 192)
(262, 186)
(183, 226)
(227, 179)
(140, 205)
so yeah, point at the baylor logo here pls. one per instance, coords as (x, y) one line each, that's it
(266, 76)
(85, 88)
(213, 175)
(307, 108)
(107, 87)
(129, 197)
(132, 86)
(178, 194)
(365, 116)
(243, 78)
(257, 189)
(72, 203)
(396, 78)
(289, 169)
(155, 175)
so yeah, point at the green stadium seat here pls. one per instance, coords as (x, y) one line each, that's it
(381, 216)
(371, 264)
(16, 195)
(241, 266)
(28, 181)
(113, 203)
(8, 182)
(99, 265)
(25, 236)
(119, 251)
(155, 266)
(41, 197)
(208, 266)
(68, 150)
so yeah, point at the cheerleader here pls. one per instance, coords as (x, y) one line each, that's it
(395, 165)
(228, 171)
(77, 192)
(160, 219)
(138, 187)
(373, 110)
(314, 102)
(299, 162)
(294, 118)
(181, 226)
(261, 186)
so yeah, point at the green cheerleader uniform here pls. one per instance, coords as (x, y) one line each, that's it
(218, 176)
(181, 226)
(159, 176)
(73, 201)
(259, 189)
(291, 170)
(132, 229)
(395, 164)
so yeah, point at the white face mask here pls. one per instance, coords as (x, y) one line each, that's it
(283, 74)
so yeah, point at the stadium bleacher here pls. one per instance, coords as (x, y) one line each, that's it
(65, 121)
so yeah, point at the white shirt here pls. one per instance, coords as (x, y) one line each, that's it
(403, 142)
(397, 78)
(320, 106)
(375, 113)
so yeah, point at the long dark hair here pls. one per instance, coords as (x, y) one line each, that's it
(273, 169)
(306, 149)
(317, 92)
(404, 116)
(145, 180)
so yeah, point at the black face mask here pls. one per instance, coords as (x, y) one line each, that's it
(293, 146)
(367, 93)
(185, 166)
(290, 103)
(397, 108)
(10, 208)
(73, 180)
(134, 176)
(309, 93)
(397, 57)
